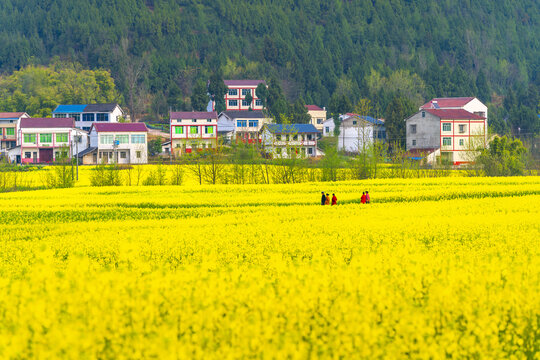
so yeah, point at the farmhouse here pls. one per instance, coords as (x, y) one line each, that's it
(192, 131)
(86, 115)
(328, 127)
(43, 140)
(119, 143)
(282, 141)
(318, 116)
(9, 125)
(357, 132)
(235, 98)
(470, 104)
(242, 125)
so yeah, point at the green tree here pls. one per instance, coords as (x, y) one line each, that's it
(399, 109)
(503, 157)
(199, 97)
(217, 90)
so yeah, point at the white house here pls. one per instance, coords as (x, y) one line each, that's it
(357, 132)
(455, 133)
(235, 98)
(42, 140)
(242, 125)
(86, 115)
(282, 141)
(9, 127)
(328, 127)
(318, 116)
(470, 104)
(119, 143)
(191, 130)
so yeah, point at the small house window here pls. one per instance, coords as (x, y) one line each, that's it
(447, 141)
(233, 92)
(123, 155)
(88, 117)
(45, 138)
(193, 120)
(319, 121)
(245, 103)
(414, 143)
(258, 102)
(447, 127)
(354, 122)
(209, 120)
(245, 92)
(209, 129)
(327, 129)
(233, 102)
(423, 114)
(62, 138)
(310, 151)
(179, 130)
(241, 123)
(413, 129)
(102, 117)
(193, 130)
(253, 123)
(138, 154)
(10, 131)
(462, 128)
(461, 142)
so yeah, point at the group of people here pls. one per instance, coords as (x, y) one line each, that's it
(325, 200)
(365, 199)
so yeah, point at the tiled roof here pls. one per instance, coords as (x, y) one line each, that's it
(11, 115)
(120, 127)
(29, 123)
(243, 82)
(87, 151)
(454, 114)
(313, 108)
(193, 115)
(244, 114)
(291, 128)
(367, 118)
(447, 102)
(100, 107)
(80, 108)
(66, 109)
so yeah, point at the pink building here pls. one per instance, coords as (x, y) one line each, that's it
(236, 95)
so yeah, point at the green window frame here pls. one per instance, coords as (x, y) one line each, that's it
(137, 139)
(45, 138)
(446, 127)
(209, 129)
(122, 139)
(106, 139)
(10, 131)
(446, 141)
(193, 130)
(29, 138)
(62, 138)
(179, 130)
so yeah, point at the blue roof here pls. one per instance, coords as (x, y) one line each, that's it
(69, 109)
(372, 120)
(292, 128)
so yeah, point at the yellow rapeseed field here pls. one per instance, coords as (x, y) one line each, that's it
(432, 269)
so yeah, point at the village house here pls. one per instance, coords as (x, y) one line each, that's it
(193, 131)
(282, 141)
(452, 135)
(318, 116)
(235, 98)
(242, 125)
(86, 115)
(45, 140)
(118, 143)
(328, 127)
(9, 126)
(358, 132)
(470, 104)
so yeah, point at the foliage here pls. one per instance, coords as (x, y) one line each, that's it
(154, 147)
(199, 97)
(503, 157)
(399, 109)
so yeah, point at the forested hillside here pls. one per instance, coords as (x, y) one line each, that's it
(321, 50)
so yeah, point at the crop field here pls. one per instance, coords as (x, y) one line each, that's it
(431, 269)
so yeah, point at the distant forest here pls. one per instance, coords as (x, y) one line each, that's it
(326, 52)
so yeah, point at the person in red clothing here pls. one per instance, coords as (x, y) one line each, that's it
(368, 199)
(363, 198)
(334, 199)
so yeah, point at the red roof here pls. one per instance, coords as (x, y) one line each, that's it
(243, 82)
(454, 114)
(120, 127)
(193, 115)
(11, 115)
(453, 102)
(313, 108)
(29, 123)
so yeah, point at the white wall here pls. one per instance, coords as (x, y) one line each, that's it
(353, 138)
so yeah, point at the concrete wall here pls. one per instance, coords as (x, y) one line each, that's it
(427, 131)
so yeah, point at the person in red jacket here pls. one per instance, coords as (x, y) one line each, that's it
(334, 199)
(363, 198)
(368, 199)
(327, 202)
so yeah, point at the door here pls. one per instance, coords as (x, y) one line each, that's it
(45, 155)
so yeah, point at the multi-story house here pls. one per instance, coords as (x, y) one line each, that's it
(318, 116)
(242, 125)
(44, 140)
(235, 98)
(470, 104)
(86, 115)
(357, 132)
(193, 130)
(456, 134)
(118, 143)
(9, 126)
(286, 141)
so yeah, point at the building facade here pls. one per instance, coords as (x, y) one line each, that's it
(117, 143)
(235, 98)
(286, 141)
(470, 104)
(328, 127)
(45, 140)
(457, 133)
(191, 131)
(242, 125)
(318, 116)
(357, 132)
(86, 115)
(9, 127)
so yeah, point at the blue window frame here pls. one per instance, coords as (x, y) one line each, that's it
(241, 123)
(88, 117)
(253, 123)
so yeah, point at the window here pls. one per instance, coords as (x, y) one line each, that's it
(77, 117)
(179, 130)
(447, 141)
(45, 138)
(27, 155)
(258, 102)
(193, 130)
(60, 115)
(62, 138)
(122, 139)
(319, 121)
(253, 123)
(233, 102)
(354, 122)
(233, 92)
(102, 117)
(241, 123)
(461, 142)
(123, 155)
(86, 128)
(278, 137)
(138, 154)
(446, 127)
(106, 139)
(246, 91)
(462, 128)
(327, 129)
(138, 139)
(208, 120)
(87, 117)
(310, 151)
(310, 137)
(194, 120)
(295, 137)
(413, 129)
(10, 131)
(209, 129)
(245, 103)
(480, 113)
(414, 143)
(423, 114)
